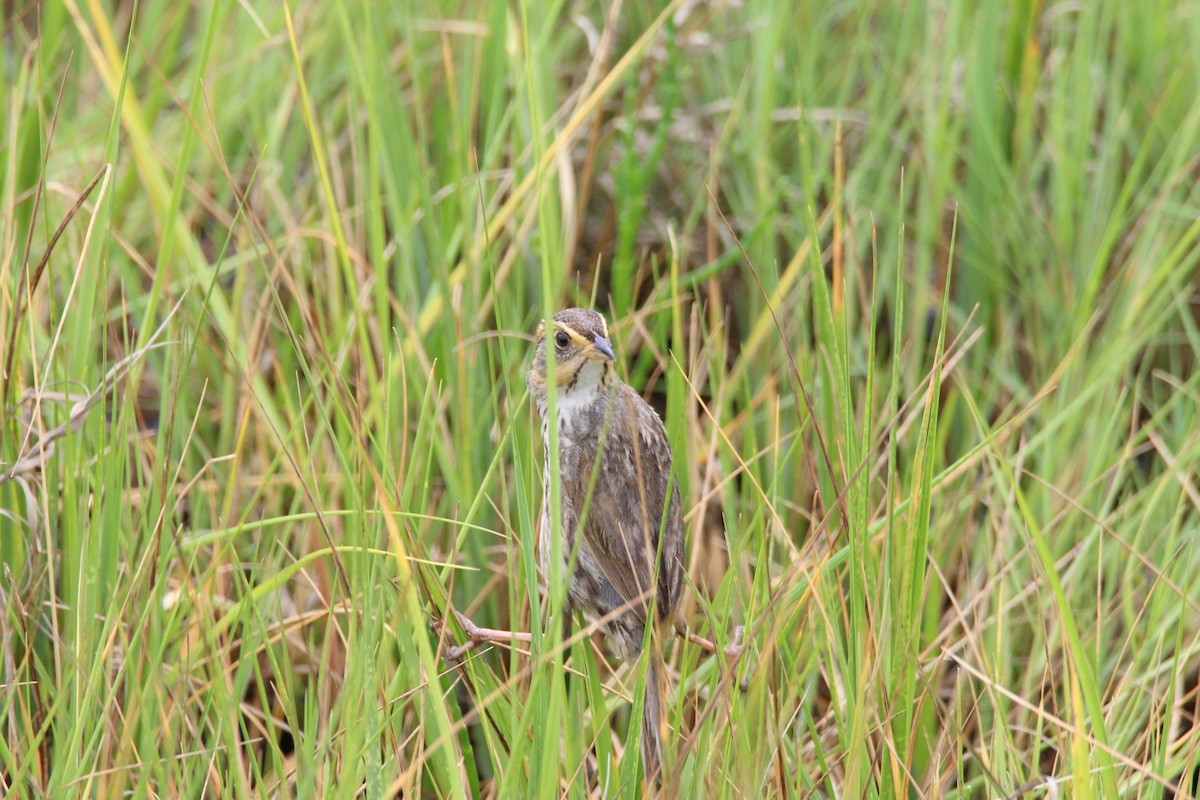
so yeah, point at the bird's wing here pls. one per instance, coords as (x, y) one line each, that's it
(626, 513)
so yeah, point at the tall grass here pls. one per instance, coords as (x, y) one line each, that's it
(914, 286)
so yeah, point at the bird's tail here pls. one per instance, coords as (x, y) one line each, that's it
(652, 719)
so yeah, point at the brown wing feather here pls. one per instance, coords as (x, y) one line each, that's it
(626, 514)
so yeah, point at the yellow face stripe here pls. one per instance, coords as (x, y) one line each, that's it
(576, 337)
(569, 331)
(565, 369)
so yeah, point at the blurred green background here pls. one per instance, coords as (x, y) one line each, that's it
(913, 285)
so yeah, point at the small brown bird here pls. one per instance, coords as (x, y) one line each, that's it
(613, 444)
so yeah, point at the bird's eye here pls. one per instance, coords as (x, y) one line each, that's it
(561, 340)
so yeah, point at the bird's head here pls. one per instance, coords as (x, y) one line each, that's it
(583, 355)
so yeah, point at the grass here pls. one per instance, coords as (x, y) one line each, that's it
(914, 286)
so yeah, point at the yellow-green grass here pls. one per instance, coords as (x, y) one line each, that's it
(914, 286)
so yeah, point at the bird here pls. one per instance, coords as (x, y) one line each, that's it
(621, 522)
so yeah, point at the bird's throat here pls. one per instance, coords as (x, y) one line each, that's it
(579, 387)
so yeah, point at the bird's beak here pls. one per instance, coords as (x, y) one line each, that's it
(603, 347)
